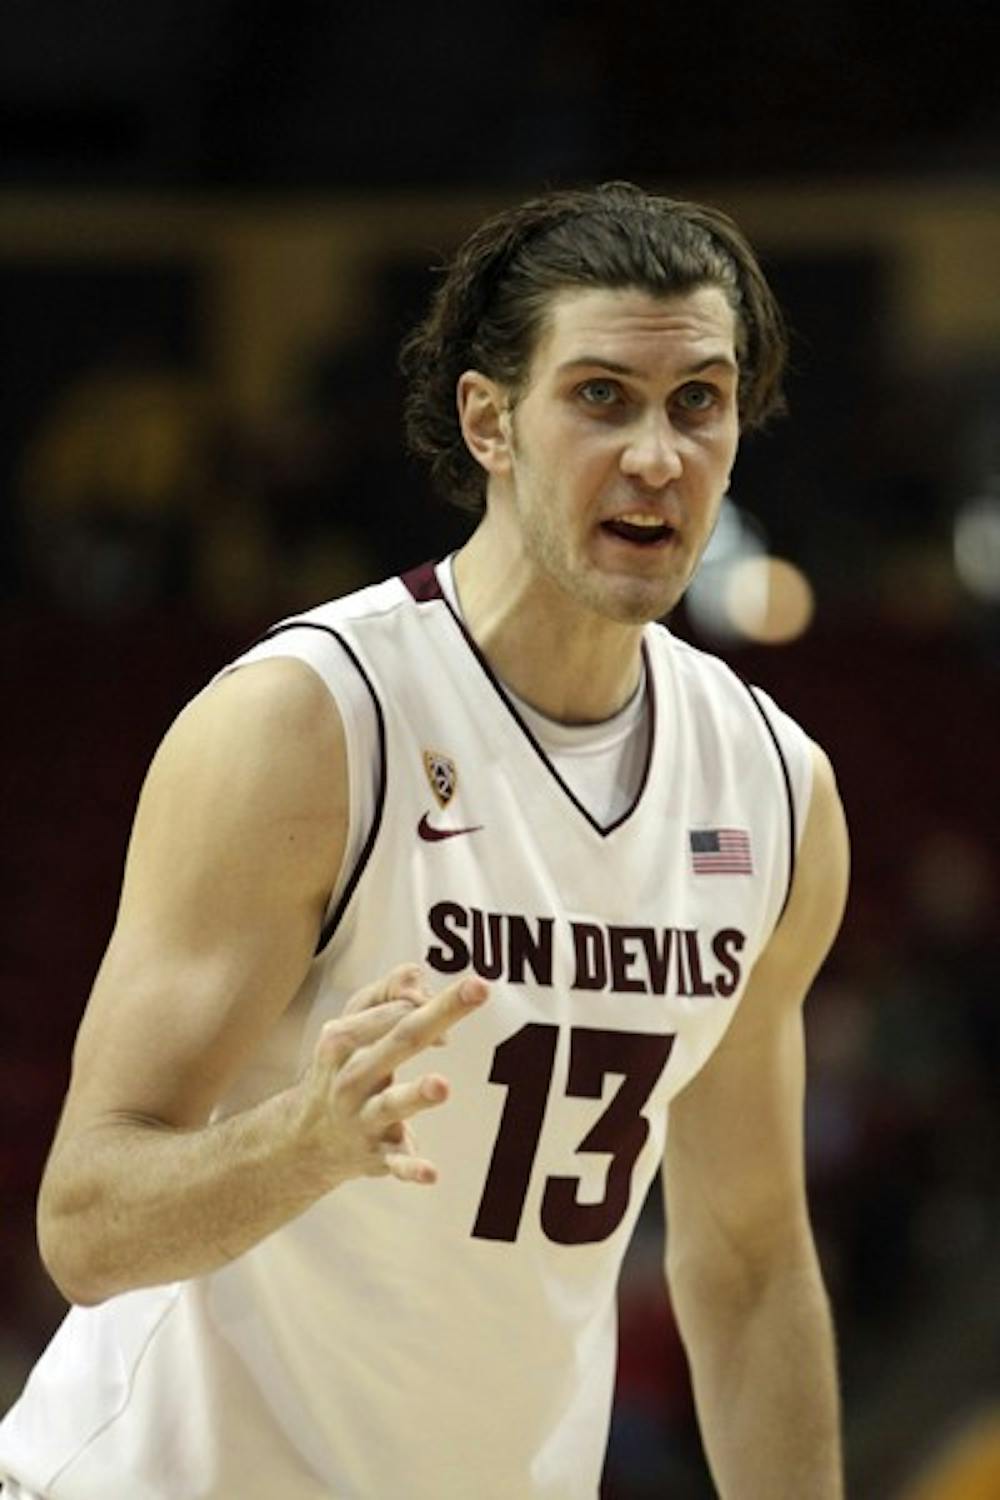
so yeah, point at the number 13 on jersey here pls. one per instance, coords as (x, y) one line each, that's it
(523, 1064)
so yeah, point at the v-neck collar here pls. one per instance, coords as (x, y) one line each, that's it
(423, 584)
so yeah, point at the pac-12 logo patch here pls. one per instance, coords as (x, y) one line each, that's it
(442, 775)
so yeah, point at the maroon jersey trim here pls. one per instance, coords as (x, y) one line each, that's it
(422, 583)
(332, 921)
(782, 762)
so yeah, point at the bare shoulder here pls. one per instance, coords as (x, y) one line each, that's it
(245, 805)
(265, 710)
(261, 745)
(278, 684)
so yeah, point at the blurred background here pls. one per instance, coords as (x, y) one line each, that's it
(216, 221)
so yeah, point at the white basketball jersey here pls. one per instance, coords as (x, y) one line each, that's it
(405, 1343)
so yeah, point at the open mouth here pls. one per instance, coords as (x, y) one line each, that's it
(641, 533)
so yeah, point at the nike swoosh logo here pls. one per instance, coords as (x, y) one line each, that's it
(427, 830)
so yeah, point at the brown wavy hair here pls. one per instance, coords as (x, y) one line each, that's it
(489, 309)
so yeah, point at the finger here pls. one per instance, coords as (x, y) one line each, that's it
(403, 1100)
(410, 1168)
(341, 1038)
(364, 1073)
(429, 1023)
(404, 982)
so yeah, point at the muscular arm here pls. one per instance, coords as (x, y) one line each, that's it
(742, 1266)
(237, 842)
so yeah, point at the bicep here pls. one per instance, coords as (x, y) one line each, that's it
(236, 843)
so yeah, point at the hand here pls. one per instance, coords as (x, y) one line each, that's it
(353, 1111)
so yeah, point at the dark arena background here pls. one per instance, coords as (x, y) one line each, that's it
(215, 223)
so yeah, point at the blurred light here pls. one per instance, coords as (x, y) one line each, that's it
(768, 600)
(977, 546)
(737, 536)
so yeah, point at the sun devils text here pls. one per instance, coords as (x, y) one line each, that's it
(628, 960)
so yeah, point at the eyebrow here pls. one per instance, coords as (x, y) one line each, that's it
(592, 361)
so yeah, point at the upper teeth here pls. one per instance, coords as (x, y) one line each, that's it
(640, 518)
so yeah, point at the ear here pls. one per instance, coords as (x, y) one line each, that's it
(485, 421)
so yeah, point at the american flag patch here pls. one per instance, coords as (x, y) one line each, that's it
(720, 851)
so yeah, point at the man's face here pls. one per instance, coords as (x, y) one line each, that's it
(622, 444)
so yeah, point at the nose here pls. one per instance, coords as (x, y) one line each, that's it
(651, 454)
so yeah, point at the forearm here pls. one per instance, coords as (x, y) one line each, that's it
(129, 1201)
(764, 1372)
(132, 1203)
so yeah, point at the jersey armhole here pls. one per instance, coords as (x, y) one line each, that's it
(364, 732)
(796, 779)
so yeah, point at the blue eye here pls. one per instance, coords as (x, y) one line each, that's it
(599, 392)
(697, 397)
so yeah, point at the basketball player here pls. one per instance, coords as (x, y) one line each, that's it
(488, 805)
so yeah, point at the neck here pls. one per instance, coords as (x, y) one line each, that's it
(566, 661)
